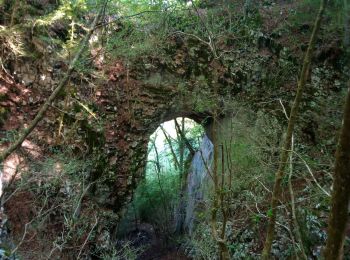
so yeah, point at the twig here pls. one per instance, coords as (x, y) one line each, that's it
(312, 175)
(206, 164)
(194, 36)
(294, 216)
(88, 236)
(131, 16)
(184, 138)
(85, 107)
(167, 138)
(284, 109)
(262, 184)
(77, 209)
(29, 223)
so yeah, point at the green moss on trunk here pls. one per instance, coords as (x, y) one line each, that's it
(341, 191)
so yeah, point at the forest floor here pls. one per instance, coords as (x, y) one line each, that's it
(153, 246)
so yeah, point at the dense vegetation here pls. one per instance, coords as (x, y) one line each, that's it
(251, 165)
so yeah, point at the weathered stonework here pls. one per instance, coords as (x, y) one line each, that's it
(133, 109)
(136, 98)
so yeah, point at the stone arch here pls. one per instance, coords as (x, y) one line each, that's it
(139, 96)
(133, 111)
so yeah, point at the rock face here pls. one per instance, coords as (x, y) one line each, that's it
(132, 111)
(197, 180)
(137, 98)
(140, 96)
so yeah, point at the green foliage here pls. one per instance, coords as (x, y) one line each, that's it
(136, 41)
(154, 201)
(145, 34)
(12, 43)
(9, 136)
(202, 96)
(18, 11)
(252, 141)
(84, 66)
(148, 34)
(285, 67)
(126, 251)
(242, 247)
(66, 165)
(201, 245)
(305, 12)
(312, 228)
(59, 183)
(193, 133)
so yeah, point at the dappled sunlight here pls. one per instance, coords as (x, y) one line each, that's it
(13, 167)
(58, 167)
(32, 149)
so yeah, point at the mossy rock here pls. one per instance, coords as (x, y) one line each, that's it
(3, 115)
(3, 97)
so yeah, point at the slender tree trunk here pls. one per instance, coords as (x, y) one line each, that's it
(346, 23)
(224, 205)
(181, 147)
(54, 94)
(14, 12)
(295, 223)
(215, 179)
(183, 136)
(277, 189)
(158, 172)
(167, 138)
(220, 238)
(181, 208)
(341, 191)
(224, 253)
(183, 143)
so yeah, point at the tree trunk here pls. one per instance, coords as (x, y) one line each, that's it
(341, 191)
(277, 189)
(181, 146)
(346, 23)
(167, 138)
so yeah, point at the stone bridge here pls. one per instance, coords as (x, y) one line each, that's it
(141, 94)
(134, 104)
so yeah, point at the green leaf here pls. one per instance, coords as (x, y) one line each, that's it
(269, 213)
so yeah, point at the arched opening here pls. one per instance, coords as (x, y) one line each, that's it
(158, 213)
